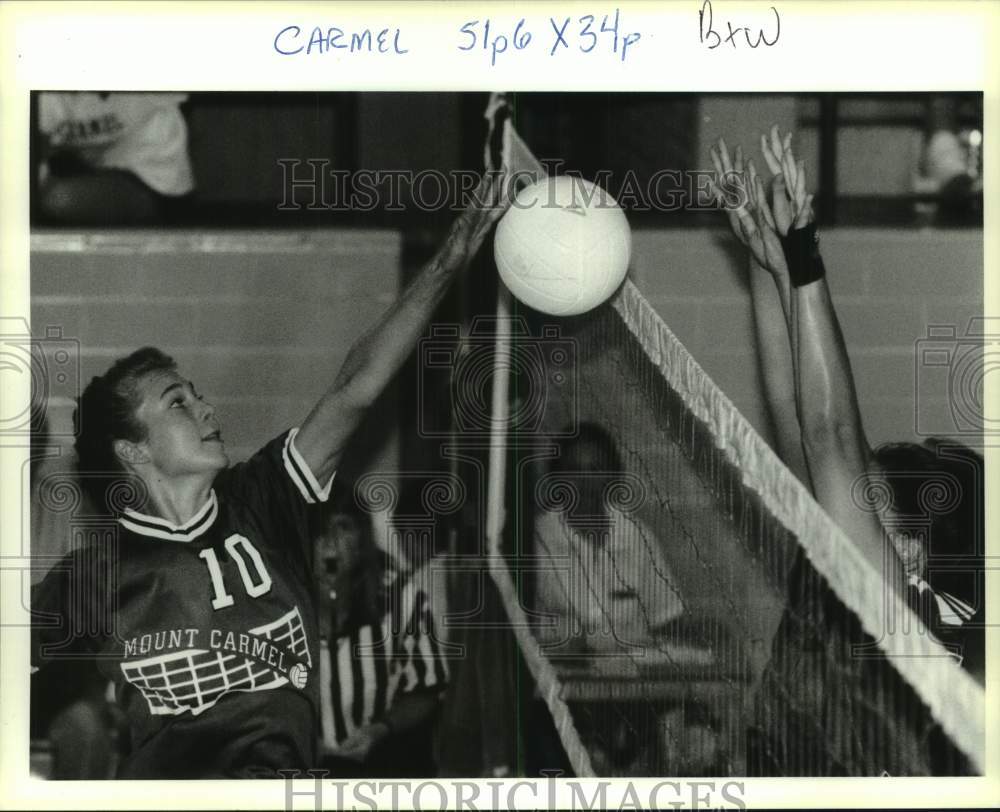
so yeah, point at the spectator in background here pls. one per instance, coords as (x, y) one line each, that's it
(112, 158)
(950, 166)
(692, 741)
(605, 579)
(382, 669)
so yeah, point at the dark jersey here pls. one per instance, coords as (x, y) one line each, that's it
(206, 629)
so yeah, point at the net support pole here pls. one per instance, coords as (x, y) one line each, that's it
(499, 414)
(517, 157)
(544, 675)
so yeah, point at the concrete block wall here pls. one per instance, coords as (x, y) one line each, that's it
(873, 159)
(260, 321)
(889, 286)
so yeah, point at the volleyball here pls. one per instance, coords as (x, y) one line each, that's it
(564, 246)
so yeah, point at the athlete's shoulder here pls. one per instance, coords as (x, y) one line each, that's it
(270, 452)
(278, 464)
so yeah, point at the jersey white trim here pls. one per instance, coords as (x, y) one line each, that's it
(302, 475)
(952, 611)
(155, 527)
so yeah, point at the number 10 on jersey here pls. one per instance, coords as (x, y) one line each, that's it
(245, 555)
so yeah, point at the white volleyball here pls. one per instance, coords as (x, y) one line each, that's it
(564, 246)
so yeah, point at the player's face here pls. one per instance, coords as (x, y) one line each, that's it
(183, 437)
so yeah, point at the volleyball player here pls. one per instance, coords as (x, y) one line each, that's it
(813, 404)
(201, 607)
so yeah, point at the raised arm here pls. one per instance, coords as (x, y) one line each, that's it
(377, 356)
(769, 295)
(833, 438)
(774, 354)
(837, 453)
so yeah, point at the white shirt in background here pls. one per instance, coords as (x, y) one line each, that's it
(616, 592)
(142, 133)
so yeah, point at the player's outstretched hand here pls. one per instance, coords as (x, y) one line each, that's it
(487, 204)
(791, 205)
(741, 193)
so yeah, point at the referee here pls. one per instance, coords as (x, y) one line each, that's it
(382, 670)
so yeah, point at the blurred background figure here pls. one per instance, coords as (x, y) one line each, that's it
(951, 165)
(605, 579)
(112, 158)
(382, 668)
(691, 742)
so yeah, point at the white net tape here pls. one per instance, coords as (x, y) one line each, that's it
(954, 699)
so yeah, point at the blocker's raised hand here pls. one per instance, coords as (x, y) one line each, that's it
(791, 205)
(741, 193)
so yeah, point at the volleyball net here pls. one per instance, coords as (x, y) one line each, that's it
(710, 619)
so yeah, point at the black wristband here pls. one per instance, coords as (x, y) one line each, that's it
(801, 247)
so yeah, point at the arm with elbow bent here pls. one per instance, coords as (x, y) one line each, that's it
(377, 356)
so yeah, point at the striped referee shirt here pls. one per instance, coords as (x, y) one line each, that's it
(364, 672)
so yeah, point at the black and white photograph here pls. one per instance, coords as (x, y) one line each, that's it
(532, 435)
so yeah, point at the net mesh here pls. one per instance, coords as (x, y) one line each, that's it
(713, 621)
(682, 603)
